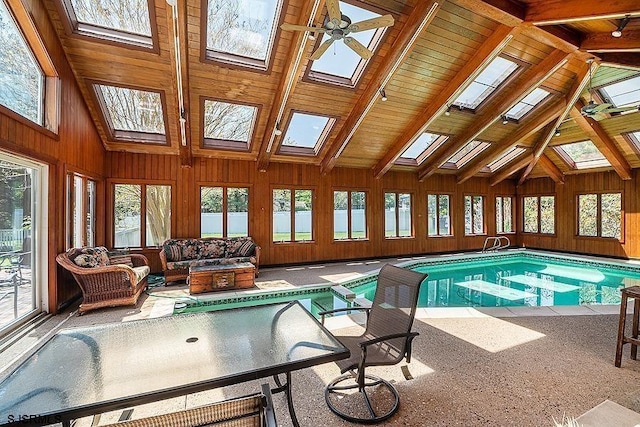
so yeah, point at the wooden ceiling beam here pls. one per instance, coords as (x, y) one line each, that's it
(287, 82)
(420, 18)
(507, 172)
(551, 168)
(582, 78)
(622, 60)
(534, 125)
(436, 107)
(504, 11)
(602, 141)
(604, 42)
(550, 12)
(507, 98)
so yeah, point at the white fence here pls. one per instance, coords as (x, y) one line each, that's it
(13, 238)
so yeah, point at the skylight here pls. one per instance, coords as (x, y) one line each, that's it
(241, 32)
(340, 64)
(623, 93)
(466, 153)
(582, 155)
(634, 137)
(124, 21)
(228, 125)
(306, 133)
(527, 104)
(422, 148)
(486, 83)
(505, 158)
(131, 114)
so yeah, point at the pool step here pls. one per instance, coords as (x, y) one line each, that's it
(363, 302)
(343, 292)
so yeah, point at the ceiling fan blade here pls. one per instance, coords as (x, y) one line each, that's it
(369, 24)
(358, 47)
(600, 107)
(622, 109)
(333, 7)
(293, 27)
(322, 49)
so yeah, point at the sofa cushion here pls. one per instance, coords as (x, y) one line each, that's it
(89, 257)
(181, 249)
(212, 248)
(141, 272)
(240, 247)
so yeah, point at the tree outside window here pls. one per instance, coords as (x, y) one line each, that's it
(473, 215)
(81, 208)
(538, 214)
(600, 215)
(129, 221)
(397, 215)
(504, 214)
(438, 215)
(224, 212)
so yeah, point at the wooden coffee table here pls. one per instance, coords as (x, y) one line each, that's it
(209, 278)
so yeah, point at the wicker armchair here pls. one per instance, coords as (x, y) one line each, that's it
(109, 285)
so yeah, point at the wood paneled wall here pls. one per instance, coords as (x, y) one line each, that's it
(186, 204)
(76, 147)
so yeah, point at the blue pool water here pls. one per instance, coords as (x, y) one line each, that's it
(517, 279)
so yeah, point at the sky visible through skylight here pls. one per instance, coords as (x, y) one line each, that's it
(626, 92)
(486, 82)
(527, 104)
(241, 27)
(584, 154)
(420, 145)
(304, 130)
(340, 60)
(123, 15)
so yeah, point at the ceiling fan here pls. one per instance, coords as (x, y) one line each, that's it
(595, 110)
(338, 27)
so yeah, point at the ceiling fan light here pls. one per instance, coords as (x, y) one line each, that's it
(616, 33)
(557, 133)
(505, 120)
(383, 94)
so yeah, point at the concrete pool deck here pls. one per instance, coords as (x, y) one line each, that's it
(521, 366)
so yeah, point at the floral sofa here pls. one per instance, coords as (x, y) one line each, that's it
(177, 255)
(106, 279)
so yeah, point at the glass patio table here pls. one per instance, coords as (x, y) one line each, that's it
(90, 370)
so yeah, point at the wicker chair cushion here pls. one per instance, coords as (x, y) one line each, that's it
(89, 257)
(141, 272)
(214, 248)
(240, 247)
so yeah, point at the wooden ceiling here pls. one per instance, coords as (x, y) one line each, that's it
(425, 60)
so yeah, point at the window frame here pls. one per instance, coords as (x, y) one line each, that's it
(111, 185)
(633, 140)
(397, 194)
(467, 157)
(539, 214)
(598, 195)
(513, 213)
(438, 195)
(292, 222)
(425, 154)
(484, 215)
(601, 90)
(306, 151)
(350, 237)
(99, 34)
(226, 144)
(125, 136)
(576, 165)
(545, 101)
(235, 61)
(70, 195)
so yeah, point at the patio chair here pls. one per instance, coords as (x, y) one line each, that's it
(104, 284)
(253, 410)
(386, 341)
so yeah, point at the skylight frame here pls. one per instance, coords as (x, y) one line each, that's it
(234, 60)
(467, 157)
(505, 158)
(128, 136)
(520, 67)
(606, 97)
(363, 64)
(229, 144)
(428, 151)
(109, 35)
(581, 165)
(531, 107)
(306, 151)
(634, 139)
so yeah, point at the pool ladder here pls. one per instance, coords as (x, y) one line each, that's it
(495, 243)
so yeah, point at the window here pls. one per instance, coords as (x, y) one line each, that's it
(228, 125)
(505, 158)
(349, 215)
(504, 214)
(224, 212)
(130, 201)
(528, 103)
(132, 115)
(397, 215)
(438, 215)
(306, 133)
(466, 154)
(495, 74)
(600, 215)
(582, 155)
(21, 78)
(349, 68)
(241, 32)
(538, 213)
(124, 21)
(421, 148)
(292, 215)
(622, 93)
(81, 211)
(473, 215)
